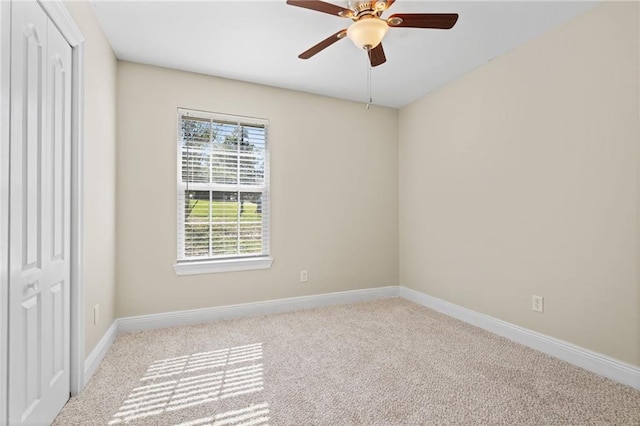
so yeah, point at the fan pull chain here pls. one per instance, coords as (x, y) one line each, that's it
(369, 78)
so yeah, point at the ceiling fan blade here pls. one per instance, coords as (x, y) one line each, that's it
(320, 6)
(443, 21)
(323, 44)
(376, 56)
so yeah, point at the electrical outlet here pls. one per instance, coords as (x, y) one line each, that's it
(96, 314)
(537, 303)
(303, 276)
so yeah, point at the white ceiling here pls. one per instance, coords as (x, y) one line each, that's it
(259, 41)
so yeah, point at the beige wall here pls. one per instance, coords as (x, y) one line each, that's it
(521, 178)
(99, 173)
(334, 179)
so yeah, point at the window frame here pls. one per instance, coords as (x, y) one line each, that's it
(230, 263)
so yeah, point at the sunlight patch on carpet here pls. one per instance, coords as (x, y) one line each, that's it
(174, 383)
(254, 415)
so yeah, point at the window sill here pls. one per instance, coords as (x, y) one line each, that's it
(226, 265)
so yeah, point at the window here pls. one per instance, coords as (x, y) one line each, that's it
(223, 193)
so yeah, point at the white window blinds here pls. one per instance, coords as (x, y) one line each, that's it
(223, 186)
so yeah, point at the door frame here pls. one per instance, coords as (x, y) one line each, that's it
(59, 15)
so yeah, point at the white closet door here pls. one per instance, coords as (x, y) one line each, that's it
(39, 309)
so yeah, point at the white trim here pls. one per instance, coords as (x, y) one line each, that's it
(226, 265)
(77, 222)
(196, 316)
(592, 361)
(597, 363)
(60, 16)
(5, 106)
(224, 118)
(96, 356)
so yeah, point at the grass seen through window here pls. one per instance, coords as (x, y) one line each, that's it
(222, 225)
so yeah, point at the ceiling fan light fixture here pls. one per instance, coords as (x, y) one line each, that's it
(367, 33)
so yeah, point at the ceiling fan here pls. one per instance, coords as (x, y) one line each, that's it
(368, 28)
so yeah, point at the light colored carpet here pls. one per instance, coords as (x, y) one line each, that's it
(376, 363)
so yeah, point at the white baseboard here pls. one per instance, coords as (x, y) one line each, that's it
(592, 361)
(195, 316)
(97, 354)
(581, 357)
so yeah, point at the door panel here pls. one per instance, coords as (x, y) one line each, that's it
(31, 311)
(33, 126)
(28, 62)
(39, 217)
(58, 141)
(57, 319)
(59, 99)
